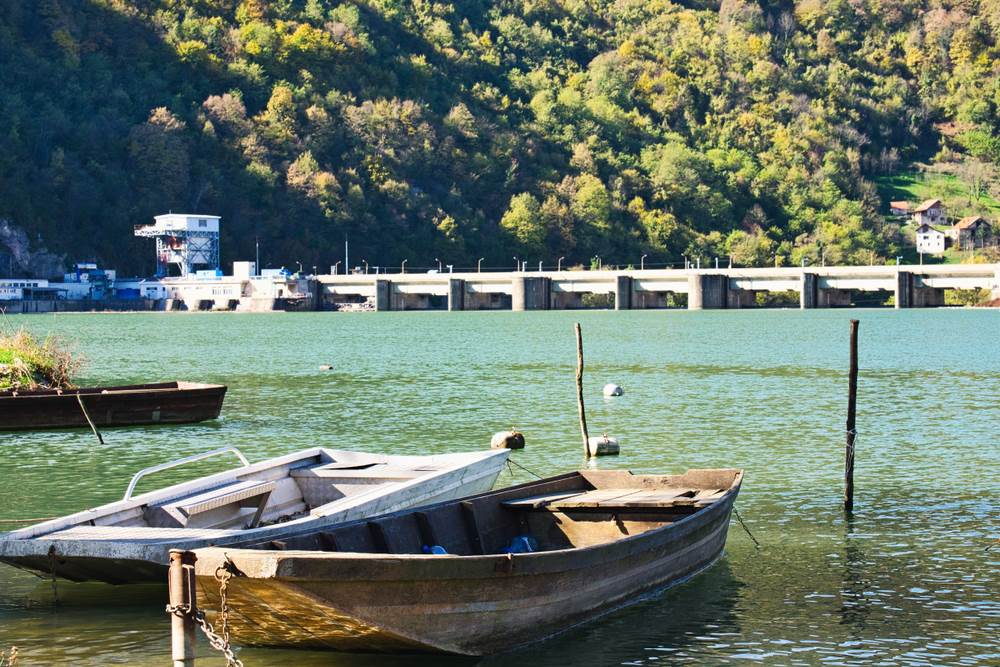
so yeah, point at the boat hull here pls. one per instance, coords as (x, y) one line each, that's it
(133, 405)
(474, 605)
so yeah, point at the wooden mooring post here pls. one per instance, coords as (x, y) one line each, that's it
(852, 400)
(579, 392)
(180, 586)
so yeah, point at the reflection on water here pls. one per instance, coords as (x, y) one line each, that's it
(906, 581)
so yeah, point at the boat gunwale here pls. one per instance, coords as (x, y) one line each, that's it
(273, 561)
(173, 386)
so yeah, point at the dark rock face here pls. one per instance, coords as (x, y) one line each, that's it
(18, 260)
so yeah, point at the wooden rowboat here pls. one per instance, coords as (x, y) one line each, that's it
(521, 564)
(130, 405)
(129, 541)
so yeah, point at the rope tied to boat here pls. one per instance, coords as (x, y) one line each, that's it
(530, 472)
(740, 519)
(90, 421)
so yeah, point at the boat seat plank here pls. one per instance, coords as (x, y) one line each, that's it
(178, 512)
(240, 493)
(137, 534)
(538, 502)
(383, 472)
(618, 499)
(598, 498)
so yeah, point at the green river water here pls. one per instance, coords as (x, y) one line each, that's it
(908, 581)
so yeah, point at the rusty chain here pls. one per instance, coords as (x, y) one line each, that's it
(52, 573)
(220, 642)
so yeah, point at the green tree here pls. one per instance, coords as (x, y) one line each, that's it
(523, 221)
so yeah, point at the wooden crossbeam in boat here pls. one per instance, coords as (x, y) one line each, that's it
(619, 499)
(425, 528)
(472, 527)
(378, 536)
(233, 493)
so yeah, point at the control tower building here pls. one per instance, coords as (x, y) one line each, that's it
(188, 240)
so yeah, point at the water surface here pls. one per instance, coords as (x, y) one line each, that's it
(907, 581)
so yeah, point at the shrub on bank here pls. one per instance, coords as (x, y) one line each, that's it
(26, 363)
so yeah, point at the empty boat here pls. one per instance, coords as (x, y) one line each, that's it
(130, 405)
(479, 575)
(128, 541)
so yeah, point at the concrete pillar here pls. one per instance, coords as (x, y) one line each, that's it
(315, 295)
(456, 294)
(910, 293)
(623, 293)
(707, 291)
(904, 289)
(383, 294)
(808, 290)
(530, 293)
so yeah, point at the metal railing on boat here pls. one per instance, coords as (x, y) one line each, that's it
(179, 462)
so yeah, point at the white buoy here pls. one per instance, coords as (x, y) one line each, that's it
(507, 440)
(326, 367)
(612, 389)
(603, 446)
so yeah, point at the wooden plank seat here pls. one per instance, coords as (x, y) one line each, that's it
(619, 499)
(381, 472)
(249, 493)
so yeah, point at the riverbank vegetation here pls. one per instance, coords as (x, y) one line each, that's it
(27, 363)
(8, 659)
(561, 128)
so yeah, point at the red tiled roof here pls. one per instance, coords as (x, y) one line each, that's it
(928, 204)
(899, 204)
(969, 221)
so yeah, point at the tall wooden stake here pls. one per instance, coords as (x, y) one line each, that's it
(579, 392)
(180, 587)
(852, 399)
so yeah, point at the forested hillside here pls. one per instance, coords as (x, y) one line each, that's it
(536, 128)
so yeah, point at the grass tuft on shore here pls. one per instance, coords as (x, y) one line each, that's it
(9, 659)
(27, 363)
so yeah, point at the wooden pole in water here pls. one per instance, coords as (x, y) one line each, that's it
(579, 392)
(180, 586)
(852, 399)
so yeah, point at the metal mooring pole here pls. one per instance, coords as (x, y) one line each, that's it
(180, 585)
(852, 399)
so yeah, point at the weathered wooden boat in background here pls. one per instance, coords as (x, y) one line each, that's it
(129, 405)
(521, 564)
(129, 540)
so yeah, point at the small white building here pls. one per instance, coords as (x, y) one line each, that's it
(930, 241)
(244, 270)
(15, 289)
(930, 212)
